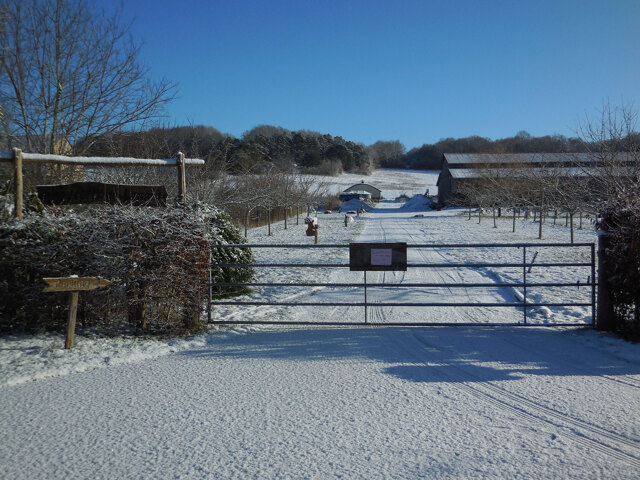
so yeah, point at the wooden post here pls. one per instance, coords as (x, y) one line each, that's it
(71, 320)
(19, 186)
(182, 180)
(315, 234)
(605, 319)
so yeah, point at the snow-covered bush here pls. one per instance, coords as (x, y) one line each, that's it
(621, 220)
(157, 259)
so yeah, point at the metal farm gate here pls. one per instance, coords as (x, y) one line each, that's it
(577, 264)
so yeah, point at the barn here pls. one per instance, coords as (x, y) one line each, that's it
(461, 168)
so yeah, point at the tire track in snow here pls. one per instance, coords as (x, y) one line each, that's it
(592, 436)
(447, 276)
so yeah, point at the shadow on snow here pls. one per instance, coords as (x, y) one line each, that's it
(435, 354)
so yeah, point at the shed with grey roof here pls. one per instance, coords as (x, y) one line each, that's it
(376, 193)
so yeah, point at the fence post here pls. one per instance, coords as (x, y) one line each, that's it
(593, 285)
(19, 185)
(524, 281)
(182, 180)
(365, 297)
(604, 316)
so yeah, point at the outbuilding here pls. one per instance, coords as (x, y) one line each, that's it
(355, 195)
(376, 193)
(461, 168)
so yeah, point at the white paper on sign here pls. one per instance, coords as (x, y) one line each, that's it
(381, 256)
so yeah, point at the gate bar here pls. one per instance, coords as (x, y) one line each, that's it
(398, 285)
(423, 265)
(397, 304)
(413, 245)
(398, 324)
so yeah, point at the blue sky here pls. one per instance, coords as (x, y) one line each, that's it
(415, 71)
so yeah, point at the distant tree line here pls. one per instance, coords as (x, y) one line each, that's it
(255, 151)
(429, 156)
(312, 152)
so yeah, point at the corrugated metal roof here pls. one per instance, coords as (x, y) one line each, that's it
(460, 173)
(360, 185)
(462, 159)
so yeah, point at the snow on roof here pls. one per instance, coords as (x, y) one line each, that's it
(356, 192)
(524, 172)
(361, 184)
(460, 159)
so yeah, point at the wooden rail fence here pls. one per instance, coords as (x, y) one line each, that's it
(18, 157)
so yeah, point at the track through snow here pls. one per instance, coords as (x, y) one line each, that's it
(356, 403)
(378, 402)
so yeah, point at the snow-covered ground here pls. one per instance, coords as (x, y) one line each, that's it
(341, 402)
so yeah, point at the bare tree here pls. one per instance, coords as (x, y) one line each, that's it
(614, 142)
(387, 154)
(70, 75)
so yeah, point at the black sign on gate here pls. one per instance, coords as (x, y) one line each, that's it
(377, 257)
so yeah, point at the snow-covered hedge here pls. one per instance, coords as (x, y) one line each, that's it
(622, 262)
(157, 259)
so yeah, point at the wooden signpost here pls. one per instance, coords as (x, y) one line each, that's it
(74, 285)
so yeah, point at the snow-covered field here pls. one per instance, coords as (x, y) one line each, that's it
(392, 182)
(339, 402)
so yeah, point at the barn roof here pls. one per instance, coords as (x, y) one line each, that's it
(573, 171)
(465, 160)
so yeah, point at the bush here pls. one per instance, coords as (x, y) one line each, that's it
(622, 259)
(157, 259)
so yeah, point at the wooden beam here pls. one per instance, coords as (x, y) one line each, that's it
(42, 158)
(19, 186)
(182, 180)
